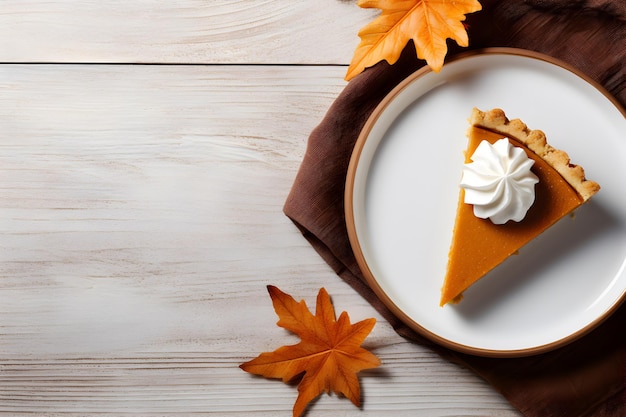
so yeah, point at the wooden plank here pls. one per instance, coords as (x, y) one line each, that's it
(117, 180)
(141, 221)
(184, 31)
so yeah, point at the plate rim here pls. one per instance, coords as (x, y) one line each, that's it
(356, 246)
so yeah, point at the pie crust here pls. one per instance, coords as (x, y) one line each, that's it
(496, 121)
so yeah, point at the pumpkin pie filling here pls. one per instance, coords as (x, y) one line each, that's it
(478, 245)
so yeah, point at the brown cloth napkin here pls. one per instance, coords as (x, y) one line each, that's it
(584, 378)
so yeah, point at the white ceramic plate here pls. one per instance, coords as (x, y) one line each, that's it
(402, 192)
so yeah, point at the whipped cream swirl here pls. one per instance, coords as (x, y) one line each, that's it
(499, 182)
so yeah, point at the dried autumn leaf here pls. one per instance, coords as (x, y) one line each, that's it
(329, 353)
(428, 22)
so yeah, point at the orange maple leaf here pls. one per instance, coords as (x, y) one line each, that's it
(428, 22)
(329, 353)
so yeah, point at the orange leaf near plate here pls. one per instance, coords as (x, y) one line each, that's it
(427, 22)
(328, 357)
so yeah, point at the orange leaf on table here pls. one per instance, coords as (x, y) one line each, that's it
(427, 22)
(329, 353)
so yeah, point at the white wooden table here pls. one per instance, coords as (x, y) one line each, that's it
(141, 210)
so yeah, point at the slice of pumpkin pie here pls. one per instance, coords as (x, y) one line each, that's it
(514, 187)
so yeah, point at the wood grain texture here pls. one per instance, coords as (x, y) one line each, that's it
(182, 31)
(141, 220)
(140, 211)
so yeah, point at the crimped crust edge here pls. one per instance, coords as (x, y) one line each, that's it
(497, 121)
